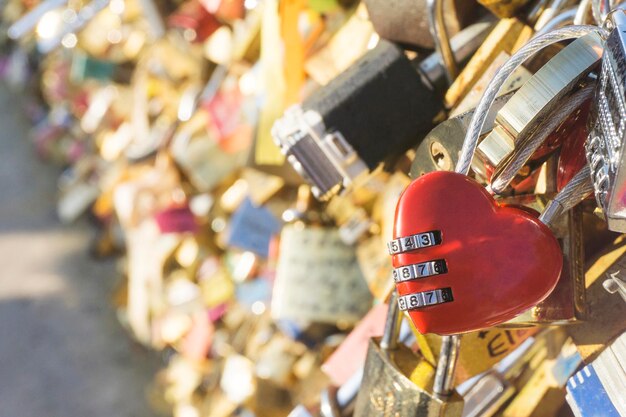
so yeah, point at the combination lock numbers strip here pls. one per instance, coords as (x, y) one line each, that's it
(413, 242)
(421, 270)
(425, 299)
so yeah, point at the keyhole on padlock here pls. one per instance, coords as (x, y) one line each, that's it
(440, 157)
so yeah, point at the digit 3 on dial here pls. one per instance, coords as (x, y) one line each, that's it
(490, 262)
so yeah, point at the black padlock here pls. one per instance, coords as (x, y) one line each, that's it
(376, 109)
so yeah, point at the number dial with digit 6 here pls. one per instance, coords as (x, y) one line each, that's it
(499, 261)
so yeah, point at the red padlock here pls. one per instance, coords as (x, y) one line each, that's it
(463, 262)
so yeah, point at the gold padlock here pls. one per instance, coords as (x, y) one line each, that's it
(480, 351)
(508, 36)
(397, 381)
(606, 315)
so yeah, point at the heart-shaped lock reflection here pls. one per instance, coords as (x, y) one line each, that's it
(462, 262)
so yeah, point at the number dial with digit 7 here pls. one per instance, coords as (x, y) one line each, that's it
(499, 261)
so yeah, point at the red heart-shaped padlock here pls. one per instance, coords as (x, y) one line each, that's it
(492, 262)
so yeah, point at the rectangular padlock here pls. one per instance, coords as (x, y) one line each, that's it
(199, 154)
(332, 148)
(480, 351)
(318, 278)
(252, 227)
(542, 395)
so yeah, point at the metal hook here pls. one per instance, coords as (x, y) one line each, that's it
(446, 366)
(441, 39)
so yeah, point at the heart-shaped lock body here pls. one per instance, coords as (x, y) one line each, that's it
(491, 262)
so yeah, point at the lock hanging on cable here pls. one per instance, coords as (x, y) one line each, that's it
(458, 271)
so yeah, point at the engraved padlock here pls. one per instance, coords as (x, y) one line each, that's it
(318, 279)
(397, 381)
(605, 144)
(480, 350)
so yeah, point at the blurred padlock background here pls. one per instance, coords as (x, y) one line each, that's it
(197, 197)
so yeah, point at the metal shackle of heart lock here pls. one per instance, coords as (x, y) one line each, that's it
(462, 262)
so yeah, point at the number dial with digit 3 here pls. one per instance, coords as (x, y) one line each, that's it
(500, 261)
(414, 242)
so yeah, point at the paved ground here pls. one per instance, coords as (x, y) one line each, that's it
(62, 352)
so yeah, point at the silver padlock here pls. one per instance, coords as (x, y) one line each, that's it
(601, 384)
(605, 144)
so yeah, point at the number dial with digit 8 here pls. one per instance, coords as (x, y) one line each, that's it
(500, 261)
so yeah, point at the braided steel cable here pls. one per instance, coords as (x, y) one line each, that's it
(523, 153)
(478, 120)
(573, 193)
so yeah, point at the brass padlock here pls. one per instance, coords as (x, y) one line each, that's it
(318, 279)
(397, 381)
(508, 36)
(480, 351)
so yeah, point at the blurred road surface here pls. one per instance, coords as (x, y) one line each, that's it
(62, 351)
